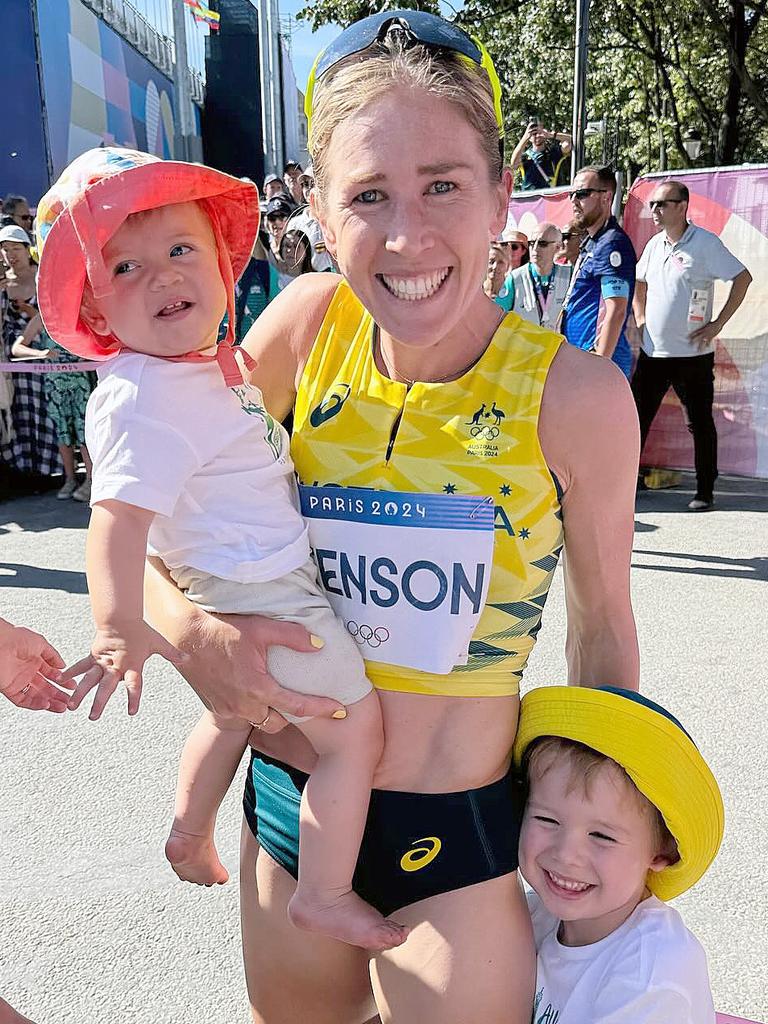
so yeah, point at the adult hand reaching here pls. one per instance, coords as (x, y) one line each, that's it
(29, 665)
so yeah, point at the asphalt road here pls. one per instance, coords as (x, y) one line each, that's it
(94, 927)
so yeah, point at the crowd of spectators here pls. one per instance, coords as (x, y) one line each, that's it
(578, 279)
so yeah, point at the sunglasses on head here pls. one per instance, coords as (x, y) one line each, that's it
(659, 204)
(584, 193)
(423, 29)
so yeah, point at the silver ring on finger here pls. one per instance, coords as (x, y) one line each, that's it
(260, 725)
(28, 687)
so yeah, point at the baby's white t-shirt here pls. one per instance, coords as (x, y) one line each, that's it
(651, 970)
(172, 438)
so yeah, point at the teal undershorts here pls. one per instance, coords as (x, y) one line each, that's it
(415, 845)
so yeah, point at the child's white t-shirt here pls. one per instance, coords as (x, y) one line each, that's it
(651, 970)
(172, 438)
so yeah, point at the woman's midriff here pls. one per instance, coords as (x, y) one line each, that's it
(444, 744)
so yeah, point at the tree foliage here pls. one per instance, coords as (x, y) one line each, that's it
(658, 69)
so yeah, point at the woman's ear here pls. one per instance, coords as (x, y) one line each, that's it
(503, 190)
(92, 316)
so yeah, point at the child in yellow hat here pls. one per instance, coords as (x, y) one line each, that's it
(622, 814)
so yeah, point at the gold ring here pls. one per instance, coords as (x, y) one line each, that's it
(260, 725)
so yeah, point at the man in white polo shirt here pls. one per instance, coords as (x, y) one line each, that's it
(673, 310)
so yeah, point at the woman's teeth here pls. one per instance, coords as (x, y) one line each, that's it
(413, 288)
(567, 883)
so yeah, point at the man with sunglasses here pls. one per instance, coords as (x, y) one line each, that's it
(538, 289)
(598, 302)
(673, 311)
(542, 157)
(16, 211)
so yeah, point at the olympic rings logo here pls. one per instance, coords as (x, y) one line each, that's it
(484, 432)
(365, 634)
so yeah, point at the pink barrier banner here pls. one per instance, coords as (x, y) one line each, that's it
(732, 202)
(22, 366)
(725, 1018)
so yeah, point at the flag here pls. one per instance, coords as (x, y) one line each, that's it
(202, 13)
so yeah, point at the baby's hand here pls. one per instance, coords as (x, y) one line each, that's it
(118, 654)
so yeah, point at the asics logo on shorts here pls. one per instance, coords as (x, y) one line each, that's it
(330, 405)
(424, 852)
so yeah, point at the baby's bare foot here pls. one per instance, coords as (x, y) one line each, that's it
(194, 858)
(347, 918)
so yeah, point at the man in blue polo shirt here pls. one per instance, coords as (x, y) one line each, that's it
(595, 313)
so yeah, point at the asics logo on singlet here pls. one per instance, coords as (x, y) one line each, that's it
(330, 405)
(424, 852)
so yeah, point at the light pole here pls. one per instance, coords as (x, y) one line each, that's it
(182, 107)
(580, 85)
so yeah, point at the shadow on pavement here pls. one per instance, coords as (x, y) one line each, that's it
(732, 494)
(713, 565)
(41, 512)
(14, 574)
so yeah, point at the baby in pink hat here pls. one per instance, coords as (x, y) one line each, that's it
(139, 260)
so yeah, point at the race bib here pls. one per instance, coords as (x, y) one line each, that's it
(408, 574)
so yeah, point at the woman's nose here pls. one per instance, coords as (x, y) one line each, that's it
(409, 232)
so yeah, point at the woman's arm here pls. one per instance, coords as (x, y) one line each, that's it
(22, 349)
(589, 435)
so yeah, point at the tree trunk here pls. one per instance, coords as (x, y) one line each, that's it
(728, 132)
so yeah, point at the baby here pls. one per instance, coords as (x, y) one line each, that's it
(622, 814)
(139, 260)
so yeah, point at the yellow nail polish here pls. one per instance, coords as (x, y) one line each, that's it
(341, 713)
(316, 641)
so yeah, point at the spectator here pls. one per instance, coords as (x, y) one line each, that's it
(515, 245)
(307, 183)
(33, 449)
(496, 274)
(296, 252)
(599, 299)
(66, 396)
(292, 178)
(273, 186)
(572, 237)
(673, 312)
(279, 210)
(542, 157)
(258, 285)
(303, 221)
(16, 211)
(538, 288)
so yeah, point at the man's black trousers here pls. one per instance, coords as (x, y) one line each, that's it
(692, 378)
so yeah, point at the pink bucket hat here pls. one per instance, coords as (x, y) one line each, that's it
(88, 204)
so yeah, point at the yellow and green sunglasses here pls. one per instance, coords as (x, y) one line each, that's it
(425, 29)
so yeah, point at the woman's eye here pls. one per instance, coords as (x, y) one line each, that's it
(369, 196)
(180, 250)
(441, 187)
(125, 268)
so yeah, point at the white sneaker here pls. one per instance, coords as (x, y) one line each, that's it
(67, 489)
(83, 492)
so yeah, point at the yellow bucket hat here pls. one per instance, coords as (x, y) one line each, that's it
(655, 751)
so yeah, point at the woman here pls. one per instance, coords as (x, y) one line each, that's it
(33, 447)
(407, 378)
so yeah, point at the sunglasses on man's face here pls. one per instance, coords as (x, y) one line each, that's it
(660, 204)
(584, 193)
(541, 243)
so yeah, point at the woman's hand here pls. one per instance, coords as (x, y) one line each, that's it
(227, 669)
(28, 667)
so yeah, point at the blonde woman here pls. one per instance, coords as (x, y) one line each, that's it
(446, 452)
